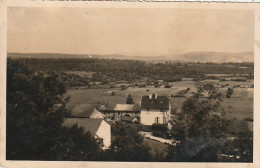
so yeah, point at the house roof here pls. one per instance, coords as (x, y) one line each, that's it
(82, 110)
(109, 107)
(126, 107)
(161, 102)
(89, 124)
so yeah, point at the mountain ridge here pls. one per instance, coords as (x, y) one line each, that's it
(218, 57)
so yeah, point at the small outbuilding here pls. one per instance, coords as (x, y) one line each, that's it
(96, 126)
(90, 119)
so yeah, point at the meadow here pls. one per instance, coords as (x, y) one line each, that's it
(240, 104)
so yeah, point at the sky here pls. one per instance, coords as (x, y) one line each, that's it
(138, 32)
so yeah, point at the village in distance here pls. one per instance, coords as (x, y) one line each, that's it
(111, 109)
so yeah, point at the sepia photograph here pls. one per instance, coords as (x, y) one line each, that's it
(130, 84)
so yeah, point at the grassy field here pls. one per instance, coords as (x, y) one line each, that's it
(156, 147)
(240, 104)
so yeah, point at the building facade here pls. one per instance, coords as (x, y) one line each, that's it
(155, 110)
(117, 112)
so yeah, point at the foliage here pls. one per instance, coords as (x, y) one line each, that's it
(205, 124)
(239, 149)
(129, 99)
(204, 115)
(109, 70)
(75, 144)
(178, 130)
(127, 144)
(159, 130)
(36, 107)
(229, 92)
(167, 86)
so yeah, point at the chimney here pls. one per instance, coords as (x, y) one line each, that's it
(150, 96)
(155, 95)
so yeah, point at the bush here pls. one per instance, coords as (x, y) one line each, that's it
(229, 93)
(167, 86)
(159, 130)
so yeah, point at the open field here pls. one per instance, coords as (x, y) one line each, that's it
(241, 102)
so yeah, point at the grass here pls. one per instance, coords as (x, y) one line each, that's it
(156, 147)
(240, 104)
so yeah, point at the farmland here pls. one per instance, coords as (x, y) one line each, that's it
(240, 104)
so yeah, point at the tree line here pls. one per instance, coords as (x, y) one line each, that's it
(132, 70)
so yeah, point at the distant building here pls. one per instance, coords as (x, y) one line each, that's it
(108, 112)
(127, 110)
(155, 109)
(90, 119)
(96, 126)
(118, 112)
(160, 81)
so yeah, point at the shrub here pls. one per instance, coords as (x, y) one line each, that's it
(229, 93)
(159, 130)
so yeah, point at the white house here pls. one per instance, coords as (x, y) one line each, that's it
(155, 109)
(90, 119)
(96, 126)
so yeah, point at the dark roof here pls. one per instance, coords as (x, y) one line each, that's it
(161, 102)
(109, 107)
(83, 110)
(88, 124)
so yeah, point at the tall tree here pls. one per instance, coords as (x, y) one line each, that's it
(129, 99)
(205, 124)
(229, 92)
(36, 107)
(127, 145)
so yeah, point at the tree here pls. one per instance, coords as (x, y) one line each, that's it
(36, 107)
(76, 145)
(239, 149)
(203, 113)
(229, 92)
(127, 145)
(129, 99)
(31, 110)
(159, 130)
(178, 130)
(205, 124)
(167, 85)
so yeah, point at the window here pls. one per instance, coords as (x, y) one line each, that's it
(156, 120)
(127, 115)
(164, 120)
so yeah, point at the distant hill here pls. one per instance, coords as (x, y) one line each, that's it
(217, 57)
(202, 57)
